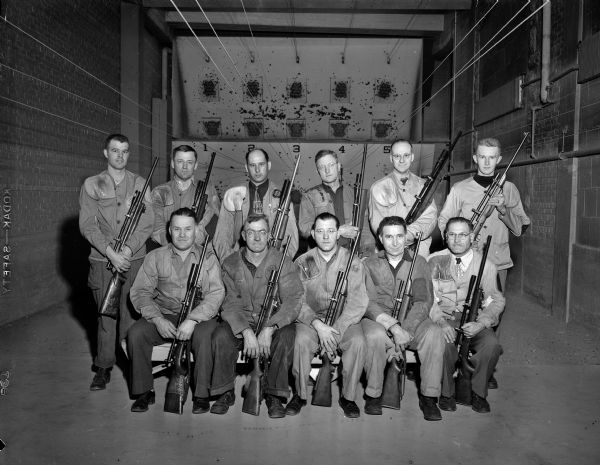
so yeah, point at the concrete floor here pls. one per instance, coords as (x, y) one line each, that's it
(547, 410)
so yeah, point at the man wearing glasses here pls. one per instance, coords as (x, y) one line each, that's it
(395, 194)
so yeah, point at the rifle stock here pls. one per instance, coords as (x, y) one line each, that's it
(200, 197)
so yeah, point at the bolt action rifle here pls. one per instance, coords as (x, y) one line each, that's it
(358, 205)
(200, 197)
(281, 218)
(112, 298)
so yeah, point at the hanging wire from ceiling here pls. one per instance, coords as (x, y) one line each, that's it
(349, 31)
(401, 39)
(293, 25)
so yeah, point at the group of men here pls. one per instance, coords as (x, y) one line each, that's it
(239, 262)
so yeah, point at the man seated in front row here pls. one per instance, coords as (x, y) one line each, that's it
(246, 274)
(385, 335)
(451, 270)
(157, 293)
(319, 269)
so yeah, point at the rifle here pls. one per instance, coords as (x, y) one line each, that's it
(483, 210)
(179, 352)
(431, 184)
(112, 298)
(322, 390)
(469, 314)
(269, 306)
(395, 372)
(200, 197)
(358, 213)
(281, 218)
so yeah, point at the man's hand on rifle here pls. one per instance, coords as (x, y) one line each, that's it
(472, 329)
(185, 330)
(499, 202)
(448, 331)
(401, 337)
(165, 328)
(349, 231)
(327, 337)
(251, 348)
(120, 261)
(264, 341)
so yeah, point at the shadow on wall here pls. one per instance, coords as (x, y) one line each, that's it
(74, 267)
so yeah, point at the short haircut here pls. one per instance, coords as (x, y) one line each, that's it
(185, 148)
(323, 153)
(397, 141)
(458, 219)
(326, 216)
(118, 137)
(489, 142)
(256, 149)
(391, 221)
(255, 217)
(184, 211)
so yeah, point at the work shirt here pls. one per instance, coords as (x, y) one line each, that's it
(167, 198)
(103, 205)
(451, 286)
(391, 197)
(161, 284)
(383, 284)
(246, 289)
(466, 196)
(319, 278)
(228, 230)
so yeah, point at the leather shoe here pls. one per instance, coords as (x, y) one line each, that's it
(492, 383)
(142, 402)
(349, 407)
(101, 379)
(428, 405)
(479, 404)
(373, 405)
(294, 406)
(201, 405)
(222, 404)
(447, 403)
(274, 406)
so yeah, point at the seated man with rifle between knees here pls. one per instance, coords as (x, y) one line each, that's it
(261, 196)
(328, 320)
(247, 276)
(116, 218)
(400, 297)
(349, 205)
(158, 293)
(397, 193)
(468, 304)
(184, 190)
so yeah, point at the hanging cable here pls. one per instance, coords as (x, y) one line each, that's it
(349, 32)
(410, 21)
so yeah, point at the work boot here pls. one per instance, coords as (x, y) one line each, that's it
(222, 404)
(294, 406)
(201, 405)
(479, 404)
(101, 379)
(142, 402)
(275, 406)
(373, 405)
(349, 407)
(428, 405)
(492, 383)
(447, 404)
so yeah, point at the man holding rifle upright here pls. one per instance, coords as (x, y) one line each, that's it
(261, 196)
(157, 294)
(104, 201)
(179, 192)
(451, 270)
(333, 197)
(246, 275)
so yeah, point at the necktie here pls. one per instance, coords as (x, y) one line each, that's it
(459, 269)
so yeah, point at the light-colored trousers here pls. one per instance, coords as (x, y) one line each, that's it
(429, 344)
(352, 346)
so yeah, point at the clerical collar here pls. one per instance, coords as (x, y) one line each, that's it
(483, 181)
(465, 260)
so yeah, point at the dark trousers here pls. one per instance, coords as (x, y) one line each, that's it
(226, 346)
(486, 352)
(143, 336)
(110, 330)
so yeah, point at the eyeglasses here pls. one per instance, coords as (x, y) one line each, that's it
(401, 156)
(459, 236)
(261, 234)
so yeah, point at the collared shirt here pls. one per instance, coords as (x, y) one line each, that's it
(161, 284)
(338, 201)
(462, 263)
(256, 194)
